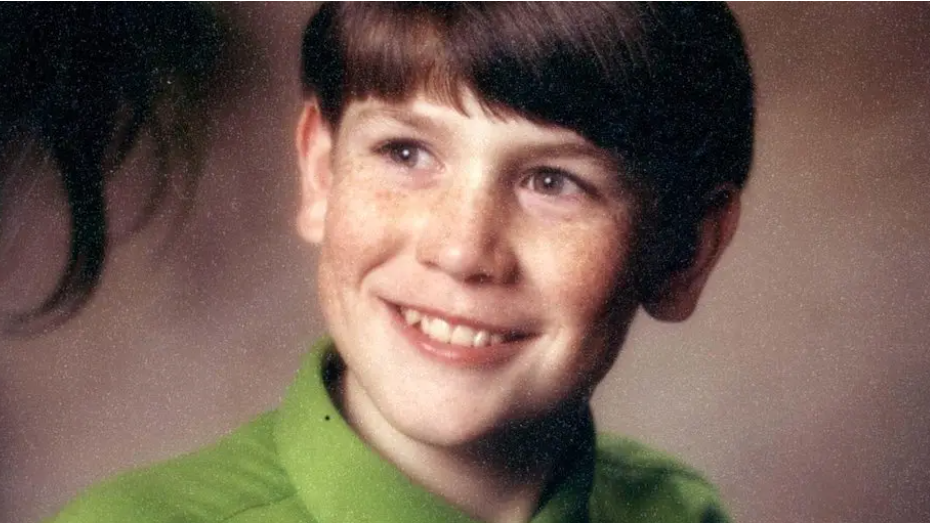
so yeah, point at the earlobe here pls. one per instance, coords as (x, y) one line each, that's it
(678, 297)
(314, 146)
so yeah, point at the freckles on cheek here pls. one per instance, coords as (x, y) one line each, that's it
(360, 229)
(589, 270)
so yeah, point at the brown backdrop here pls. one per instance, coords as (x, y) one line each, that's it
(802, 384)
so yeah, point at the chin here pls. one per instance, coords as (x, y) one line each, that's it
(445, 428)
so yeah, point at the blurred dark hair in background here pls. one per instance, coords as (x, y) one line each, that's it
(80, 84)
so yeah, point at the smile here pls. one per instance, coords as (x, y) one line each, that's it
(444, 331)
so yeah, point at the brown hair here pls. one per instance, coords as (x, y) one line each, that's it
(665, 87)
(81, 83)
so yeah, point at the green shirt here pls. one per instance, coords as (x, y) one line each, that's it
(303, 463)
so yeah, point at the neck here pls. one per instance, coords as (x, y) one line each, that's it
(499, 479)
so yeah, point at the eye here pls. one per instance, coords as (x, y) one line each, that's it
(406, 153)
(553, 182)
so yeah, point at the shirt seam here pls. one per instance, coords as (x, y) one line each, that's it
(266, 504)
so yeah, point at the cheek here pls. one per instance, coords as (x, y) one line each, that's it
(590, 292)
(353, 243)
(594, 298)
(586, 271)
(361, 228)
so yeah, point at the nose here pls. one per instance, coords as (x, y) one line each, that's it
(466, 234)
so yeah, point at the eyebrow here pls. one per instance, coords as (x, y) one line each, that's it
(576, 148)
(406, 117)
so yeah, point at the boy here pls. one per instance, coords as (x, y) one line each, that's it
(495, 189)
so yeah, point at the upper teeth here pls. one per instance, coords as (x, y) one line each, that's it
(441, 331)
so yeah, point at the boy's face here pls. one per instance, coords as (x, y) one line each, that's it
(473, 272)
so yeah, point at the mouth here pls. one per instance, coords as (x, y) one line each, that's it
(455, 333)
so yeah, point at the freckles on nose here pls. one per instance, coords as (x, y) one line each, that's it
(462, 236)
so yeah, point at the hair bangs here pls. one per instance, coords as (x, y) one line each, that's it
(526, 60)
(392, 56)
(552, 64)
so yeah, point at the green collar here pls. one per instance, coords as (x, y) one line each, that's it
(340, 479)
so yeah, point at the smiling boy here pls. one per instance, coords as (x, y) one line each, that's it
(496, 189)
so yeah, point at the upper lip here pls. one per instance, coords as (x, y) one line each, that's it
(467, 320)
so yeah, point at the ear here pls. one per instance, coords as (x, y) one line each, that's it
(679, 295)
(314, 145)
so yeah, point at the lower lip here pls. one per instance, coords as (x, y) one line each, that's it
(455, 354)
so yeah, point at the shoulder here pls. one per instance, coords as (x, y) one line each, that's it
(633, 482)
(238, 474)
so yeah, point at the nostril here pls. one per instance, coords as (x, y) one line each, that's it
(463, 235)
(480, 278)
